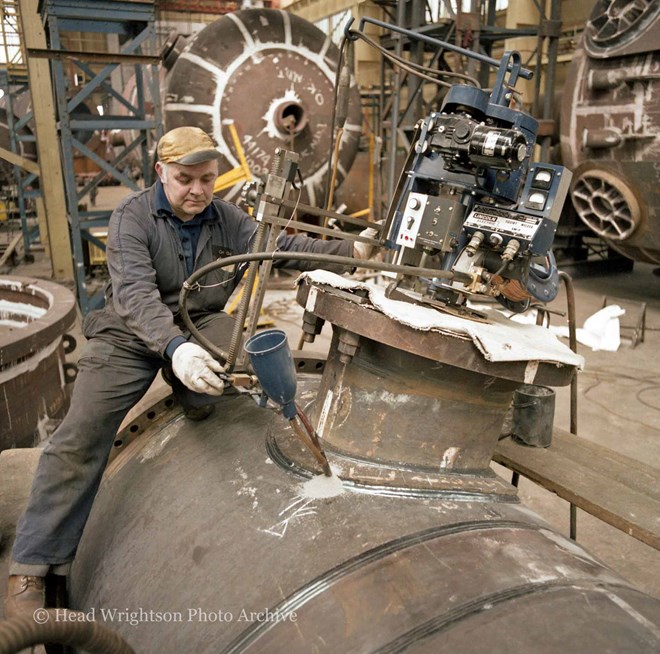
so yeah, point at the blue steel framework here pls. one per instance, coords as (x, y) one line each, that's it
(134, 23)
(15, 84)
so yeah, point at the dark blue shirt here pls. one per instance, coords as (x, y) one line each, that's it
(188, 231)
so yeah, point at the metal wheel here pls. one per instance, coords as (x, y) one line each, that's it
(615, 22)
(606, 205)
(272, 73)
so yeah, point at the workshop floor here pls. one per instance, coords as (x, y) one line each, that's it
(619, 407)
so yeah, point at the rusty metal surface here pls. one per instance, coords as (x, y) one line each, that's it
(452, 350)
(362, 449)
(392, 407)
(32, 378)
(195, 523)
(265, 69)
(610, 126)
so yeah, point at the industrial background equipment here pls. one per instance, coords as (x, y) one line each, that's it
(34, 375)
(610, 136)
(271, 73)
(236, 543)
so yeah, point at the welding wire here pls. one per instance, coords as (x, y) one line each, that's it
(315, 449)
(314, 438)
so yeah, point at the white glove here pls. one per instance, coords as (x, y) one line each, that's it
(197, 369)
(365, 250)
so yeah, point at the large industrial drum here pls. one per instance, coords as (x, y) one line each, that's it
(610, 125)
(204, 539)
(34, 397)
(272, 73)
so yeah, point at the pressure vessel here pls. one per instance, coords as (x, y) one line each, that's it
(207, 537)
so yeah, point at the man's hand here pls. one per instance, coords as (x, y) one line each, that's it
(366, 250)
(197, 369)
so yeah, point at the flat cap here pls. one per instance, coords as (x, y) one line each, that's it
(187, 146)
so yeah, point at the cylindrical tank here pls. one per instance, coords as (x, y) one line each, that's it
(272, 73)
(215, 536)
(201, 541)
(610, 127)
(34, 316)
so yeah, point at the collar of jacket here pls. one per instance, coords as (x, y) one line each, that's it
(162, 208)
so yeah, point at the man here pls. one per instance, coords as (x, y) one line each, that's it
(156, 239)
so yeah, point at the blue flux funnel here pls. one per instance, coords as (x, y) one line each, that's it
(272, 363)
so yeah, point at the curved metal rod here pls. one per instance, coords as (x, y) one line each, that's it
(349, 34)
(572, 340)
(238, 259)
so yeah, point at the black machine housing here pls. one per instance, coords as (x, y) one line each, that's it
(470, 200)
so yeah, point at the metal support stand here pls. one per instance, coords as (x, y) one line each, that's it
(635, 326)
(134, 22)
(570, 302)
(14, 85)
(573, 528)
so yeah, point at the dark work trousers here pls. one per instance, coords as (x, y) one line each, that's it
(113, 374)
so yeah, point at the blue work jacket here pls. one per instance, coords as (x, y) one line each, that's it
(147, 268)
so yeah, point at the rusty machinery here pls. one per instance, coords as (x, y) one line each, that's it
(233, 547)
(610, 126)
(34, 318)
(471, 217)
(272, 73)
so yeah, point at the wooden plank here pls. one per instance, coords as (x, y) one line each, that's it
(10, 248)
(621, 491)
(51, 179)
(17, 160)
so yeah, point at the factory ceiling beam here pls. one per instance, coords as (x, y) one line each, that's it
(51, 178)
(95, 57)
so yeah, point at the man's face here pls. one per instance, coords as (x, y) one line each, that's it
(189, 189)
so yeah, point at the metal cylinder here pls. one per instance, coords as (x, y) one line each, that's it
(234, 545)
(394, 407)
(34, 315)
(272, 73)
(533, 415)
(197, 542)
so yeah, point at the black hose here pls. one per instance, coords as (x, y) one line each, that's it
(238, 259)
(63, 627)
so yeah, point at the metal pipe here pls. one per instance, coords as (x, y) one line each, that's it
(394, 115)
(553, 48)
(572, 340)
(189, 284)
(63, 627)
(245, 300)
(310, 439)
(524, 73)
